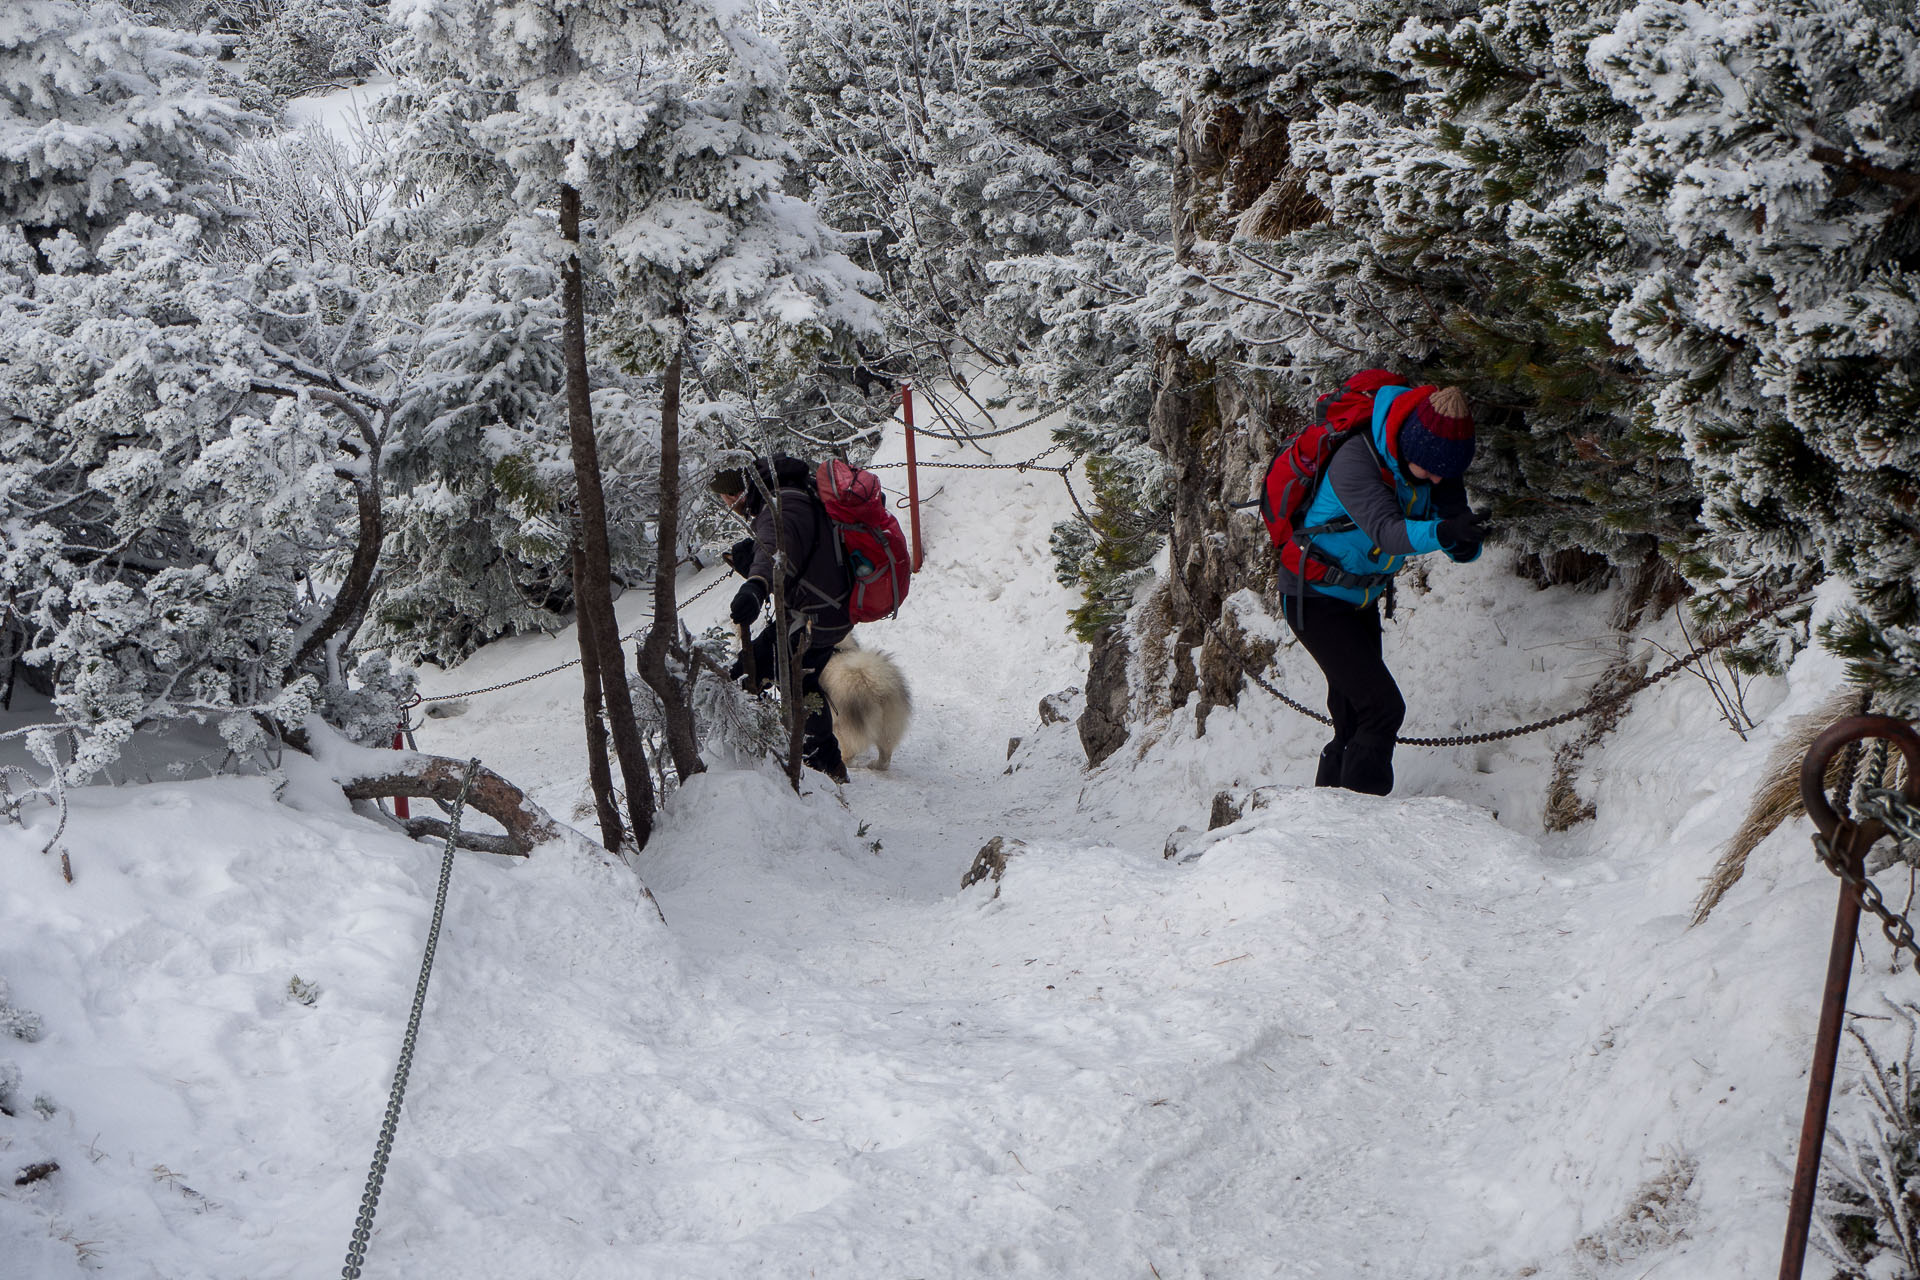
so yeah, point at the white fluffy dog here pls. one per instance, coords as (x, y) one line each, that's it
(870, 701)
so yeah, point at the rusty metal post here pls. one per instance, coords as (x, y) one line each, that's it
(913, 475)
(400, 809)
(1826, 1051)
(1849, 841)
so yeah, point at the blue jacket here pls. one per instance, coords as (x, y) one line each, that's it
(1396, 517)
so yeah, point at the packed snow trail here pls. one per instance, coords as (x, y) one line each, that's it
(1297, 1056)
(1345, 1036)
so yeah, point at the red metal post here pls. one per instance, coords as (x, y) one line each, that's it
(1826, 1051)
(913, 475)
(400, 809)
(1849, 840)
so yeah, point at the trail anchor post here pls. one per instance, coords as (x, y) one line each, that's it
(913, 474)
(1843, 843)
(400, 808)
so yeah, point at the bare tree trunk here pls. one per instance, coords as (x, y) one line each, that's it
(682, 739)
(356, 589)
(362, 445)
(784, 667)
(593, 586)
(794, 700)
(599, 773)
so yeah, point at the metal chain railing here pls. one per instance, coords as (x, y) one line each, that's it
(1893, 812)
(1065, 471)
(1594, 705)
(377, 1171)
(969, 437)
(634, 634)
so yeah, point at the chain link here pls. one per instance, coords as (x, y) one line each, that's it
(1893, 810)
(1896, 927)
(377, 1171)
(970, 436)
(1065, 472)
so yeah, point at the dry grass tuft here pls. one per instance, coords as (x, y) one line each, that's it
(1777, 800)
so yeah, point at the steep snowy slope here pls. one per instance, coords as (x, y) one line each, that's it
(1343, 1036)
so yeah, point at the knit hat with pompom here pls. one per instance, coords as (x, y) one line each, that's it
(1438, 435)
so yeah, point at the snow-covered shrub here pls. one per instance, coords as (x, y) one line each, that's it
(308, 192)
(17, 1023)
(182, 479)
(1658, 1214)
(738, 725)
(1774, 146)
(189, 470)
(1868, 1212)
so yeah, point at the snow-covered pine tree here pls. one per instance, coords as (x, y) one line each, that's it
(102, 117)
(956, 137)
(297, 46)
(479, 542)
(171, 498)
(1780, 145)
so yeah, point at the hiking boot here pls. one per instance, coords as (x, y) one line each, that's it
(1368, 768)
(1331, 758)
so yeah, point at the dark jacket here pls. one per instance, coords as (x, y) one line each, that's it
(1395, 516)
(816, 585)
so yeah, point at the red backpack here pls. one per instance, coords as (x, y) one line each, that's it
(1294, 475)
(872, 546)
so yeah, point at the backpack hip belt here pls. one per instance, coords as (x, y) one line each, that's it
(1333, 575)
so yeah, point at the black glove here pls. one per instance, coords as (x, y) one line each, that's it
(1464, 532)
(740, 556)
(747, 601)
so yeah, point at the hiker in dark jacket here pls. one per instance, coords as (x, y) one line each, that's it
(1390, 493)
(815, 585)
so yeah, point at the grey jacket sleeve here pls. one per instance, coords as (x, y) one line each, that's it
(1356, 481)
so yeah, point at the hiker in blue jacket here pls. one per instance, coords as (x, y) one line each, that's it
(1388, 494)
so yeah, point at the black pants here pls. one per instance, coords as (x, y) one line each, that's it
(1362, 699)
(818, 747)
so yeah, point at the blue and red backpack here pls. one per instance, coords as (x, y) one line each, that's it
(1294, 475)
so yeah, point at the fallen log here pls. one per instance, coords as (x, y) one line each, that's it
(367, 774)
(411, 773)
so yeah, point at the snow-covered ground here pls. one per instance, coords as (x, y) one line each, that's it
(1344, 1036)
(344, 112)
